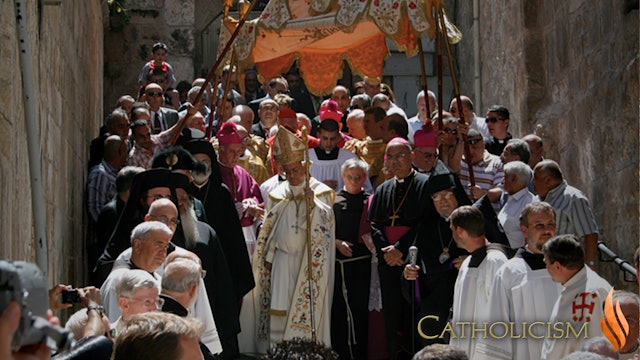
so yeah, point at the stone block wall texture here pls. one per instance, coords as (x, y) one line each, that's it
(66, 43)
(571, 67)
(173, 22)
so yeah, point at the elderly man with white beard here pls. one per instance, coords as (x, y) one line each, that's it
(207, 186)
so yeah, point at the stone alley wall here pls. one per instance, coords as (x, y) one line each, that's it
(66, 43)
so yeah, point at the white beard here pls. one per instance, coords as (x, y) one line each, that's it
(189, 221)
(200, 178)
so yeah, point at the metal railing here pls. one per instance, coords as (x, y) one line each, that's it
(607, 255)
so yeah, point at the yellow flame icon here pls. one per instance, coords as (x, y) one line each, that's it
(613, 323)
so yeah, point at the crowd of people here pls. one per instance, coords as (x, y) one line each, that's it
(276, 216)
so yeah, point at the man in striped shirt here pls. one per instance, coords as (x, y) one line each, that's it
(573, 211)
(487, 168)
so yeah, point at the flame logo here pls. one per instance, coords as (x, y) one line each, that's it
(613, 323)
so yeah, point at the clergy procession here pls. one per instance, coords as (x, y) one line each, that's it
(244, 215)
(344, 223)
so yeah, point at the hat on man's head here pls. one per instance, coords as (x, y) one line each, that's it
(158, 46)
(173, 158)
(425, 137)
(398, 141)
(228, 134)
(205, 147)
(287, 113)
(150, 179)
(441, 182)
(330, 112)
(287, 147)
(201, 147)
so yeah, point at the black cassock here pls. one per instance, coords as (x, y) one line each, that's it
(223, 218)
(397, 215)
(349, 324)
(172, 306)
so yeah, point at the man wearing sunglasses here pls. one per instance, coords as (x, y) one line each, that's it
(162, 118)
(497, 121)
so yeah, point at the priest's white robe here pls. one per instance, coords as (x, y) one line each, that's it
(521, 295)
(471, 299)
(580, 302)
(278, 308)
(322, 170)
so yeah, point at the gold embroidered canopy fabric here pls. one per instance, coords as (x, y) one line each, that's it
(320, 34)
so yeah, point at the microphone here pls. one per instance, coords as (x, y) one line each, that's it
(413, 255)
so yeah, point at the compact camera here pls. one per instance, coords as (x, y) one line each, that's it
(24, 283)
(70, 296)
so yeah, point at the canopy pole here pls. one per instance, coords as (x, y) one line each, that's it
(214, 69)
(227, 85)
(212, 110)
(456, 90)
(423, 73)
(440, 76)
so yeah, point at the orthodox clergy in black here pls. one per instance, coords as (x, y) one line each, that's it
(397, 215)
(218, 282)
(223, 218)
(132, 215)
(436, 252)
(350, 310)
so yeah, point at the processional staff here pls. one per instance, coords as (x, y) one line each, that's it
(307, 164)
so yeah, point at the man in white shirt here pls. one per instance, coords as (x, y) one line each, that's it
(516, 178)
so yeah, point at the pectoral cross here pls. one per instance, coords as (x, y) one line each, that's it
(296, 226)
(393, 219)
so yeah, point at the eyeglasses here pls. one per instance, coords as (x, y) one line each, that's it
(149, 302)
(165, 220)
(491, 120)
(154, 94)
(474, 141)
(157, 81)
(451, 131)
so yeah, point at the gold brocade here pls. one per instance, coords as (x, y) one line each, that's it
(256, 309)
